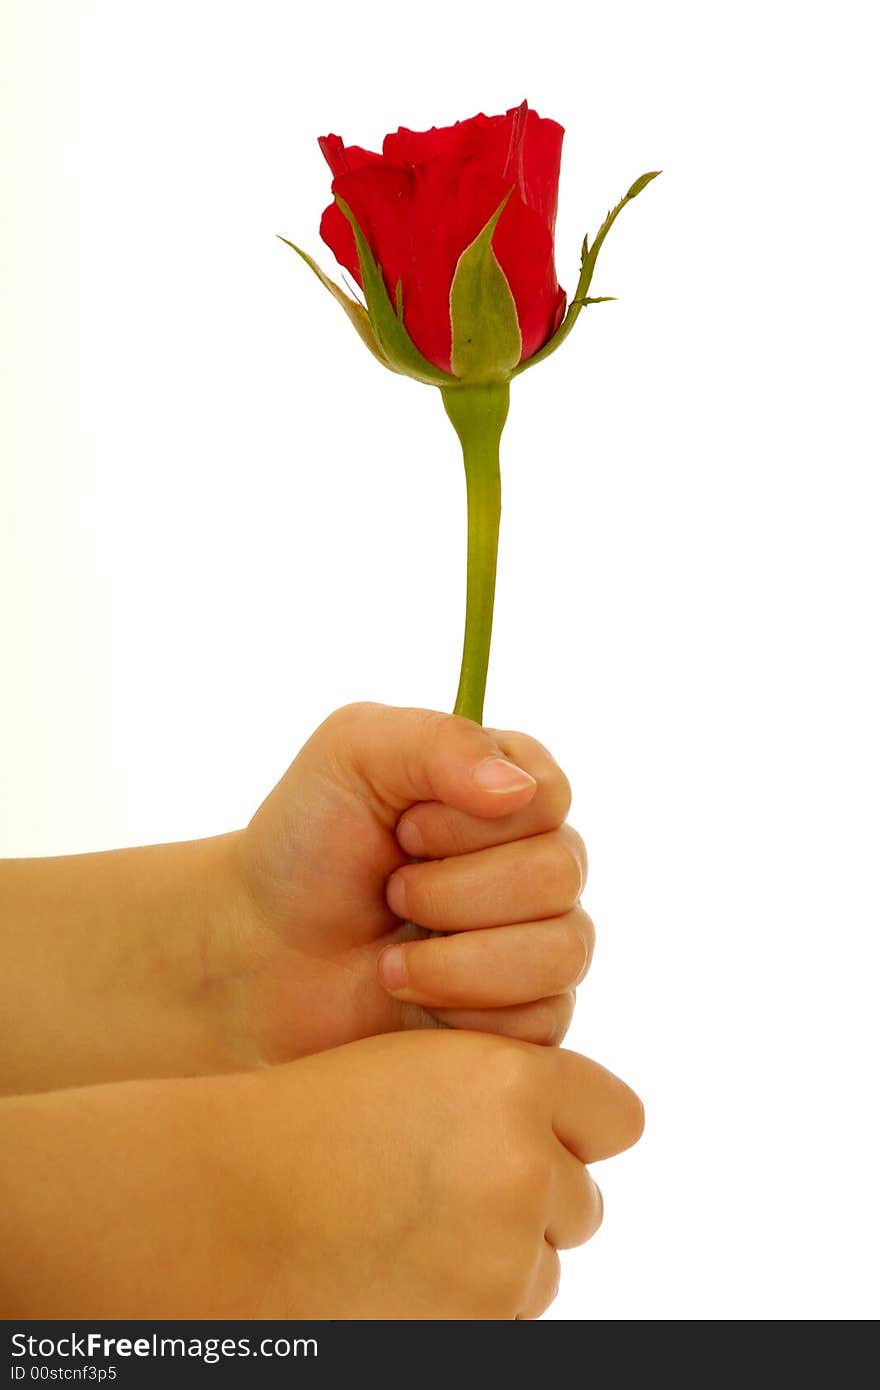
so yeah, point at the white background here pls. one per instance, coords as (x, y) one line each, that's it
(221, 519)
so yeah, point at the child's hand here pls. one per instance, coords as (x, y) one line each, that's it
(296, 934)
(324, 947)
(406, 1177)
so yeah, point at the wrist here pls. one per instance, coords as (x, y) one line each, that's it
(122, 965)
(206, 954)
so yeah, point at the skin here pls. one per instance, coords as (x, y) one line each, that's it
(428, 1176)
(323, 1039)
(272, 942)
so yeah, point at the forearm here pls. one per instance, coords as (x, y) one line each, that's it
(109, 1207)
(110, 968)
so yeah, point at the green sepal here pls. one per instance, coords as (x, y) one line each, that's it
(486, 338)
(394, 342)
(356, 312)
(588, 265)
(635, 190)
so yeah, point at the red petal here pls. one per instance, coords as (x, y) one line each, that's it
(424, 199)
(542, 152)
(520, 145)
(337, 233)
(342, 158)
(524, 247)
(484, 137)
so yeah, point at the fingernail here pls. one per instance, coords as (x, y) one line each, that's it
(409, 837)
(496, 774)
(392, 968)
(395, 895)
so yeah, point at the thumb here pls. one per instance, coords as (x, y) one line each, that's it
(400, 756)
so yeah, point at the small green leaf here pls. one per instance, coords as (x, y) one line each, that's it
(486, 340)
(356, 312)
(589, 262)
(391, 335)
(595, 299)
(641, 183)
(588, 265)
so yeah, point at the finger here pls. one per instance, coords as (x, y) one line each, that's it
(545, 1285)
(544, 1022)
(576, 1203)
(539, 877)
(595, 1114)
(398, 756)
(492, 968)
(432, 830)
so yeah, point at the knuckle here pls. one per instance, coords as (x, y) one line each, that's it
(547, 1020)
(626, 1122)
(555, 1279)
(564, 868)
(634, 1126)
(573, 942)
(577, 851)
(592, 1210)
(598, 1207)
(573, 954)
(505, 1277)
(529, 1176)
(548, 1287)
(588, 935)
(571, 876)
(557, 794)
(510, 1070)
(352, 715)
(493, 1067)
(430, 724)
(562, 1016)
(551, 1290)
(441, 726)
(347, 729)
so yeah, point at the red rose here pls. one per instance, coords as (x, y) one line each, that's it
(428, 195)
(449, 233)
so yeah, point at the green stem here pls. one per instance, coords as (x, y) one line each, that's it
(478, 414)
